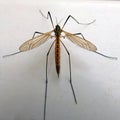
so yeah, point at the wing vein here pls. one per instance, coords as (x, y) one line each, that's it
(80, 41)
(35, 42)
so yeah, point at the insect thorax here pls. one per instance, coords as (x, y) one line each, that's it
(57, 30)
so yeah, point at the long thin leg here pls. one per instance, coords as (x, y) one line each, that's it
(77, 34)
(70, 73)
(76, 21)
(80, 34)
(11, 54)
(36, 32)
(46, 86)
(115, 58)
(48, 15)
(20, 51)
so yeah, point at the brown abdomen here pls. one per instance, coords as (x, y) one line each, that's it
(57, 56)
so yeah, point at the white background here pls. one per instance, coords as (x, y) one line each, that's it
(96, 79)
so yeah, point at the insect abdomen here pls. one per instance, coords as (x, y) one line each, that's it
(57, 56)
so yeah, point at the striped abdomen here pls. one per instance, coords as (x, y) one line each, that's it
(57, 55)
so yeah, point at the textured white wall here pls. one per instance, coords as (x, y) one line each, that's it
(96, 79)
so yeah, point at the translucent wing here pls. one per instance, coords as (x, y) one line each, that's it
(35, 42)
(80, 41)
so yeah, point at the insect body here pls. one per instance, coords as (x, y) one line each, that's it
(43, 37)
(57, 31)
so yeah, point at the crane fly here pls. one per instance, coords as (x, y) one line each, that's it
(57, 30)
